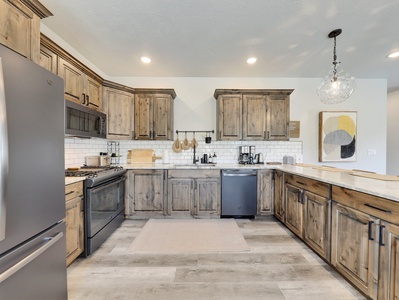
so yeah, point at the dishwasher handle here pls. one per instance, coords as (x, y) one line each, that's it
(239, 173)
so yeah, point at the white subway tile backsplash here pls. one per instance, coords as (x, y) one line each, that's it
(227, 152)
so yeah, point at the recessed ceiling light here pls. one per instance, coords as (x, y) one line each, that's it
(251, 60)
(393, 55)
(145, 59)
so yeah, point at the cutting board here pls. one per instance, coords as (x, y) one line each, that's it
(141, 155)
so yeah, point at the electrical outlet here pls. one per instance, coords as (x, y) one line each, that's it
(371, 152)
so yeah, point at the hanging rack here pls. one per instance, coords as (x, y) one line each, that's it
(195, 131)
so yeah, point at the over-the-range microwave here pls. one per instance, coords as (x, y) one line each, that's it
(81, 121)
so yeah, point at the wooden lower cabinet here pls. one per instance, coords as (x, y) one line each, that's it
(354, 247)
(145, 193)
(388, 277)
(316, 220)
(265, 192)
(279, 200)
(294, 210)
(74, 219)
(194, 192)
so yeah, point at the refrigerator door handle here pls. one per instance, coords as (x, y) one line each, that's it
(50, 241)
(3, 155)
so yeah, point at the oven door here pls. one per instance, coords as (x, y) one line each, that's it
(103, 203)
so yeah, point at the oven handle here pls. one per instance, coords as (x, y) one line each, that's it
(106, 185)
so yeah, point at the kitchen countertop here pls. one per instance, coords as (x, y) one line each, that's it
(70, 180)
(376, 187)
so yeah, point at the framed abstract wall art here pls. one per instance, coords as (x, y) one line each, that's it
(337, 136)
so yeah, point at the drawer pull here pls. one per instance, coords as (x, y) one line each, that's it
(69, 193)
(301, 183)
(381, 235)
(371, 230)
(378, 208)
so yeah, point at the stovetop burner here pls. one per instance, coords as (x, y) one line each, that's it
(93, 171)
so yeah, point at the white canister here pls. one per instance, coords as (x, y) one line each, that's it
(165, 156)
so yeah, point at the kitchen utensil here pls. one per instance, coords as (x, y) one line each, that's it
(194, 142)
(176, 147)
(141, 155)
(186, 144)
(208, 139)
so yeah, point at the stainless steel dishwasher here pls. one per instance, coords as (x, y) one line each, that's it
(239, 193)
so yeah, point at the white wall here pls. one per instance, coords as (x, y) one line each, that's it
(195, 109)
(393, 136)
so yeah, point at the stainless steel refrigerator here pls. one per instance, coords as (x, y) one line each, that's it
(32, 184)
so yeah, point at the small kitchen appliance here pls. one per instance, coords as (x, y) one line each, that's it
(246, 154)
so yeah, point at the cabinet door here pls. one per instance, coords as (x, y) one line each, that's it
(20, 29)
(74, 229)
(278, 117)
(146, 191)
(254, 117)
(279, 200)
(229, 117)
(48, 59)
(388, 278)
(265, 191)
(354, 247)
(163, 117)
(180, 196)
(316, 220)
(119, 113)
(74, 80)
(93, 92)
(294, 210)
(143, 117)
(207, 196)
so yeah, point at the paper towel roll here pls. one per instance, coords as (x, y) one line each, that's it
(165, 156)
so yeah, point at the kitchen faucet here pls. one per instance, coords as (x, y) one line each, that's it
(194, 159)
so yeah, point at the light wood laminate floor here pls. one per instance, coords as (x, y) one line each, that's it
(278, 266)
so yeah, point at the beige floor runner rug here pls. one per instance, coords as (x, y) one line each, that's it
(189, 236)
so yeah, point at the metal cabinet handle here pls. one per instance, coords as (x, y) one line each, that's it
(380, 242)
(378, 208)
(71, 192)
(299, 196)
(299, 182)
(84, 99)
(371, 230)
(153, 135)
(87, 100)
(50, 241)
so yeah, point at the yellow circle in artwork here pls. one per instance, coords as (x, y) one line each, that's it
(346, 123)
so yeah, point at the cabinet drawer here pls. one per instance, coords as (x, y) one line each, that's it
(194, 174)
(376, 206)
(73, 190)
(317, 187)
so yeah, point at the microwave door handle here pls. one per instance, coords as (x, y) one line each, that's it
(3, 155)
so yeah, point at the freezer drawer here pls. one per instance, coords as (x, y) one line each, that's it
(43, 277)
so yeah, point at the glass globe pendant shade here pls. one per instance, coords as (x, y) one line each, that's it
(337, 86)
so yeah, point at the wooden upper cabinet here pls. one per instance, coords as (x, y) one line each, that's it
(254, 117)
(153, 118)
(119, 107)
(48, 59)
(20, 26)
(229, 117)
(253, 114)
(278, 117)
(78, 86)
(73, 81)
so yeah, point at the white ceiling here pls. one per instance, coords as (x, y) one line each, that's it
(213, 38)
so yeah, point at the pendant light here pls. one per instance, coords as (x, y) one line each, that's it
(338, 85)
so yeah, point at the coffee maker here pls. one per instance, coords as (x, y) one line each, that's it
(246, 154)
